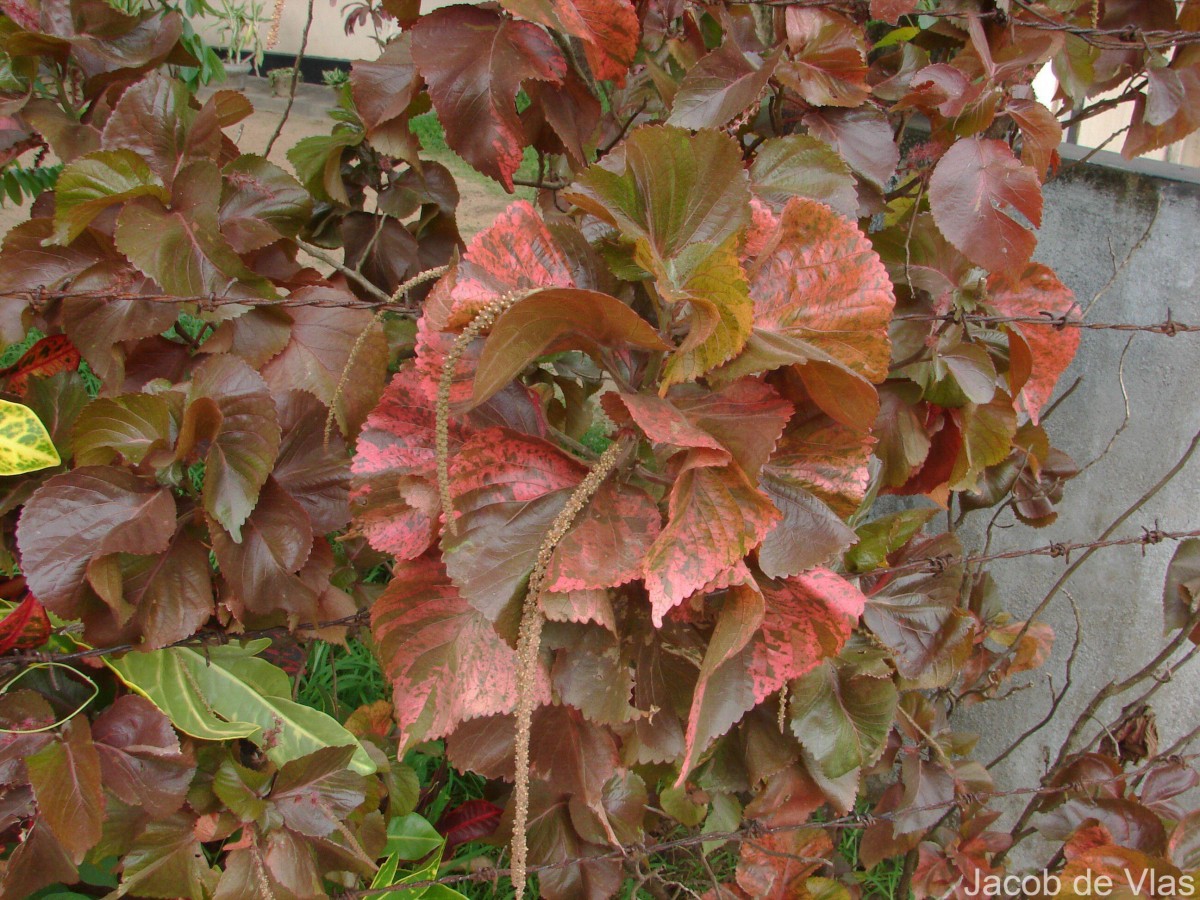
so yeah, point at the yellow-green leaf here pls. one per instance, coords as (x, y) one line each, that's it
(24, 444)
(227, 692)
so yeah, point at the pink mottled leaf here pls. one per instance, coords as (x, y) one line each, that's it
(607, 545)
(717, 516)
(394, 490)
(742, 421)
(608, 29)
(507, 489)
(818, 279)
(446, 663)
(1037, 292)
(762, 641)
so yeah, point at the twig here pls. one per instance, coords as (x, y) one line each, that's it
(1096, 545)
(355, 276)
(1110, 690)
(927, 564)
(287, 111)
(1125, 421)
(1055, 699)
(755, 831)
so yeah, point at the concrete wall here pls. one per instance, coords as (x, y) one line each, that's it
(1093, 212)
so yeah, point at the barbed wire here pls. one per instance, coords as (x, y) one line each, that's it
(1129, 37)
(39, 297)
(1169, 327)
(753, 830)
(931, 564)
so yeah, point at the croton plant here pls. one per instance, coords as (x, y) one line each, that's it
(598, 487)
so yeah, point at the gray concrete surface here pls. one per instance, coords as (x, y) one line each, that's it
(1095, 214)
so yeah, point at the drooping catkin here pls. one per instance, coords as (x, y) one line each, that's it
(529, 639)
(483, 320)
(344, 378)
(276, 17)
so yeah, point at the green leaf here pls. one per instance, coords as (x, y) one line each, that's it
(132, 425)
(25, 446)
(99, 180)
(669, 186)
(182, 247)
(411, 837)
(842, 716)
(318, 163)
(167, 860)
(712, 280)
(883, 536)
(683, 809)
(802, 166)
(987, 433)
(227, 692)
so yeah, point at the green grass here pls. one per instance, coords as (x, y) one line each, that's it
(881, 881)
(338, 680)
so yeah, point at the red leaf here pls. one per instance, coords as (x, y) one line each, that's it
(863, 138)
(474, 61)
(65, 775)
(1036, 292)
(717, 516)
(231, 409)
(323, 342)
(140, 758)
(554, 320)
(1169, 110)
(467, 822)
(383, 89)
(1040, 131)
(275, 544)
(891, 10)
(87, 513)
(51, 354)
(828, 64)
(446, 662)
(977, 192)
(25, 627)
(609, 29)
(721, 86)
(507, 490)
